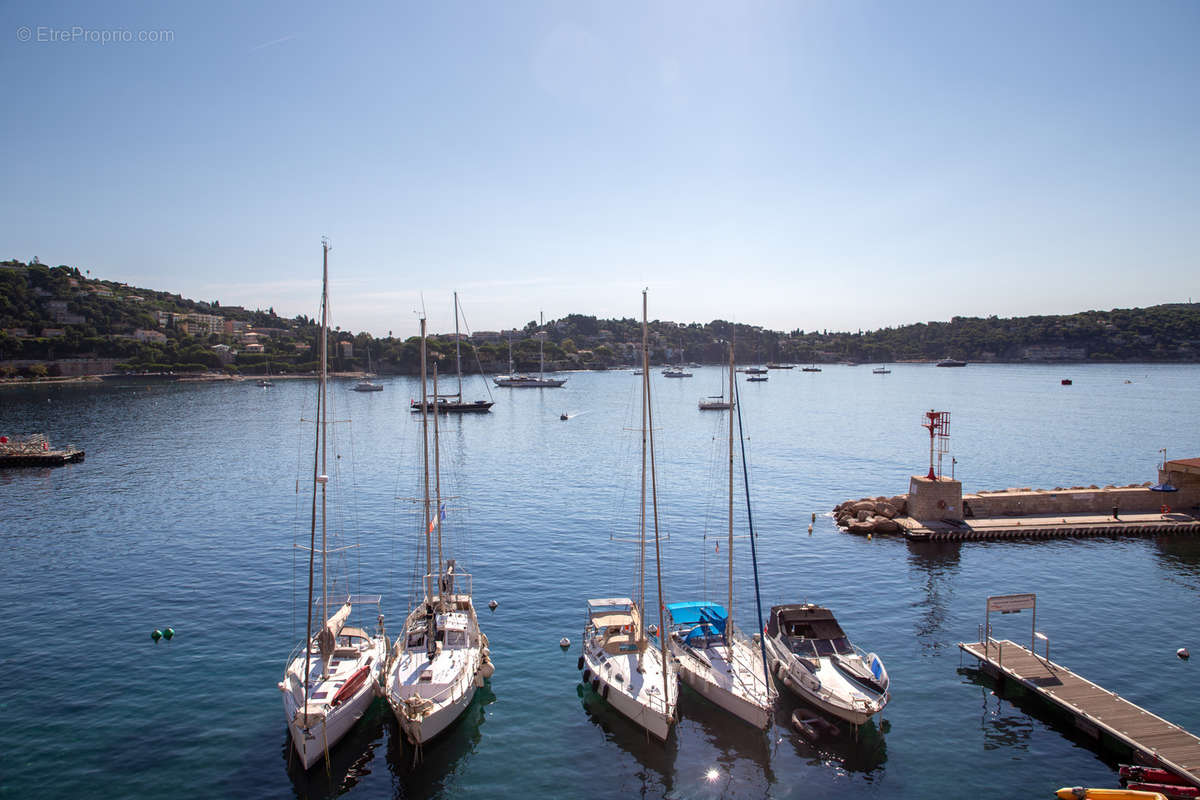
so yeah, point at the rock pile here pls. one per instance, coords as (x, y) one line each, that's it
(871, 515)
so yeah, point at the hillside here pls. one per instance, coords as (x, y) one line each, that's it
(57, 321)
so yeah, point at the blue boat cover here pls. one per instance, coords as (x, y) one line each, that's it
(708, 618)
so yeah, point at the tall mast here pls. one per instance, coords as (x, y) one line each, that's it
(457, 358)
(642, 514)
(425, 458)
(662, 621)
(729, 548)
(312, 540)
(762, 640)
(437, 483)
(541, 345)
(324, 416)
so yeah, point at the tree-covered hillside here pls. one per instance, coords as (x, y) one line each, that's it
(52, 319)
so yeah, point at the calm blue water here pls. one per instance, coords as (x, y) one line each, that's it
(186, 511)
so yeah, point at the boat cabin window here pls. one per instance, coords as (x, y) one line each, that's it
(824, 647)
(842, 646)
(803, 647)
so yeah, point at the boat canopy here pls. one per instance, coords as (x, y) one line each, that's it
(706, 619)
(610, 602)
(698, 611)
(809, 621)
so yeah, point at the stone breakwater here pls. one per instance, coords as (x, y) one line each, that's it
(871, 515)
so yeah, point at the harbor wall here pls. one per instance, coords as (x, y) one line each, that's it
(1042, 502)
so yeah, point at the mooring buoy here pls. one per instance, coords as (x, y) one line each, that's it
(564, 643)
(1183, 653)
(492, 604)
(156, 635)
(168, 633)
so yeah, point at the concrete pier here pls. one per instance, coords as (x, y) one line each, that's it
(1048, 527)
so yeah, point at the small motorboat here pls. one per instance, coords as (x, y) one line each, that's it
(756, 378)
(814, 729)
(810, 654)
(563, 417)
(951, 362)
(881, 371)
(1066, 381)
(1135, 772)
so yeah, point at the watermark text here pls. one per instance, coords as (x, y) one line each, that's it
(77, 34)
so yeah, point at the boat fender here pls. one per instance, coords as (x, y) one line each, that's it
(579, 664)
(604, 694)
(596, 684)
(478, 680)
(587, 675)
(1165, 509)
(487, 670)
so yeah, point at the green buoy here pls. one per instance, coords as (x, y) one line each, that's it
(168, 633)
(156, 635)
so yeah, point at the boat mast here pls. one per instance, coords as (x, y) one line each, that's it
(729, 548)
(437, 484)
(312, 540)
(457, 357)
(541, 346)
(662, 621)
(324, 419)
(425, 459)
(762, 640)
(642, 512)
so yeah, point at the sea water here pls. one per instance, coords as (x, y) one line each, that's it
(193, 501)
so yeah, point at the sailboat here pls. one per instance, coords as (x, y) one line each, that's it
(265, 381)
(523, 381)
(441, 656)
(331, 676)
(623, 661)
(365, 385)
(453, 403)
(717, 402)
(677, 371)
(714, 658)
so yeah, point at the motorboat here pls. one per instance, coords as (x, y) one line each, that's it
(951, 362)
(812, 656)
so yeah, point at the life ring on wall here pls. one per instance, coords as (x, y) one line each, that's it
(1164, 509)
(941, 503)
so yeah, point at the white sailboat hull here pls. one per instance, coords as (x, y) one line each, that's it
(427, 695)
(319, 731)
(637, 695)
(420, 729)
(743, 695)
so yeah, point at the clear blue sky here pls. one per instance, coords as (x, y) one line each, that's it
(833, 164)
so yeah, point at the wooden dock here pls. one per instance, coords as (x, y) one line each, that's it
(1070, 525)
(1095, 709)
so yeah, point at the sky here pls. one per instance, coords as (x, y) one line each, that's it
(815, 165)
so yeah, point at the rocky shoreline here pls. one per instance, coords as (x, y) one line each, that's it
(871, 514)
